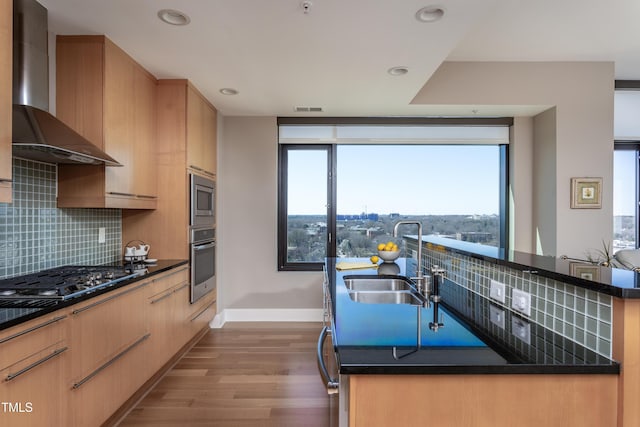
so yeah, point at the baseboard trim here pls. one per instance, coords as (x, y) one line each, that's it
(266, 315)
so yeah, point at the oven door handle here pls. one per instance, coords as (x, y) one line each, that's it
(205, 246)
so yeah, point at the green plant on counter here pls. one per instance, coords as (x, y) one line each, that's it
(602, 256)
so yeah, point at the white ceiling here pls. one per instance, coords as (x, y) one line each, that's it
(337, 55)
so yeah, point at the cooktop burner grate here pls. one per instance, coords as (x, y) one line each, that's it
(60, 283)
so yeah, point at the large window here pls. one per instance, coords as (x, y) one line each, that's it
(625, 196)
(343, 198)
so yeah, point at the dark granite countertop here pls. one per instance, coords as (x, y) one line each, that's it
(477, 337)
(616, 282)
(14, 316)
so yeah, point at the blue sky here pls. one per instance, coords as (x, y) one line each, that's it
(624, 182)
(408, 179)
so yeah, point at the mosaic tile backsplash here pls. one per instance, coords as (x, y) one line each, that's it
(35, 235)
(582, 316)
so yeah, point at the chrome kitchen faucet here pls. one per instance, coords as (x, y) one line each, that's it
(420, 279)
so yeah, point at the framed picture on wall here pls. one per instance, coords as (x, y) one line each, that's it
(586, 193)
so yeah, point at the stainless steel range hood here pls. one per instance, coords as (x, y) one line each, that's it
(38, 135)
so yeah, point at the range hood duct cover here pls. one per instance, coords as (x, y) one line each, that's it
(38, 135)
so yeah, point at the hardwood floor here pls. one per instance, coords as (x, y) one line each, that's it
(245, 374)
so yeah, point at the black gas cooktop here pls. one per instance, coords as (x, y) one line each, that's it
(58, 284)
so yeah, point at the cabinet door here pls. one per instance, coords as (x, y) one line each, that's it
(145, 153)
(119, 123)
(107, 361)
(201, 133)
(166, 297)
(6, 49)
(33, 357)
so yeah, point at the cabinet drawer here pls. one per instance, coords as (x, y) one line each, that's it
(25, 342)
(168, 281)
(104, 325)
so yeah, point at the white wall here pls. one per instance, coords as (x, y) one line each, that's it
(582, 94)
(247, 223)
(570, 135)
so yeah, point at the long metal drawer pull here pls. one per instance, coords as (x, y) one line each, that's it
(80, 310)
(26, 331)
(110, 361)
(331, 383)
(6, 180)
(171, 274)
(116, 193)
(37, 363)
(203, 310)
(144, 196)
(169, 294)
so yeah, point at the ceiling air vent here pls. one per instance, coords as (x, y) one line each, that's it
(308, 109)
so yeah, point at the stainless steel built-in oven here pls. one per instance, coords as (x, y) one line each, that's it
(203, 262)
(203, 202)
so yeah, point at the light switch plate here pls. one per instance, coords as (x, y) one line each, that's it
(521, 329)
(102, 237)
(496, 315)
(521, 302)
(497, 291)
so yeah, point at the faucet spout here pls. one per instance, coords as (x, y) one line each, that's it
(420, 278)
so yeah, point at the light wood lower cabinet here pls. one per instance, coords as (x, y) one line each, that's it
(32, 360)
(79, 365)
(200, 313)
(167, 300)
(110, 338)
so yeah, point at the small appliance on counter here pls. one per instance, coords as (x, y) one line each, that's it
(136, 254)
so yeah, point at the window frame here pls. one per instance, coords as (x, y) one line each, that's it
(283, 149)
(620, 145)
(283, 162)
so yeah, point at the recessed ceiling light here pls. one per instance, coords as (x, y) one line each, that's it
(430, 14)
(398, 71)
(228, 91)
(173, 17)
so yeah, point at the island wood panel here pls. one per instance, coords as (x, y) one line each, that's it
(167, 228)
(483, 400)
(626, 350)
(6, 59)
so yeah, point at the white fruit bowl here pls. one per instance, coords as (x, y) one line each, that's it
(389, 256)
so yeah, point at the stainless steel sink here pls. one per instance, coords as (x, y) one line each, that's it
(385, 297)
(377, 283)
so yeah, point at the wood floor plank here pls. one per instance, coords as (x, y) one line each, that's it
(243, 375)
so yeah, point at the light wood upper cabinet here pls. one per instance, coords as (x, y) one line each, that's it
(186, 143)
(6, 58)
(109, 99)
(201, 133)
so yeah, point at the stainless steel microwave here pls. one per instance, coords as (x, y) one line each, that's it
(203, 201)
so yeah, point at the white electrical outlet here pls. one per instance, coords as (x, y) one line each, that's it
(496, 315)
(497, 291)
(102, 235)
(521, 302)
(521, 329)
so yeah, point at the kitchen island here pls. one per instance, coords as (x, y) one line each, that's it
(455, 363)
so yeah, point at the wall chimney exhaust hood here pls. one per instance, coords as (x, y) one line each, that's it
(38, 135)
